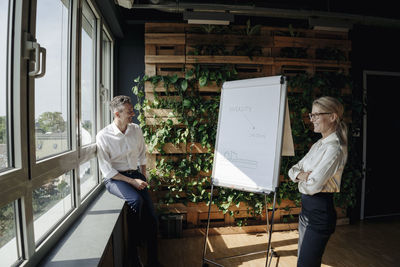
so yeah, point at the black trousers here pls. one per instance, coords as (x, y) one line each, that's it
(317, 222)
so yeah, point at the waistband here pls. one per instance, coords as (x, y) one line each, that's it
(320, 195)
(129, 171)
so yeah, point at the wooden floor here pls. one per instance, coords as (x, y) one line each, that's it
(370, 243)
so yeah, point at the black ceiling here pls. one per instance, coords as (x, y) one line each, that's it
(295, 12)
(382, 8)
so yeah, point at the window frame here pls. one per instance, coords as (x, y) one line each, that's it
(9, 57)
(17, 183)
(54, 165)
(16, 226)
(51, 229)
(89, 151)
(15, 174)
(106, 118)
(83, 198)
(96, 74)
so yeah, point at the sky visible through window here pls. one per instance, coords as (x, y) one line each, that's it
(52, 34)
(56, 74)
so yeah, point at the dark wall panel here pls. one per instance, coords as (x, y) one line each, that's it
(374, 49)
(130, 55)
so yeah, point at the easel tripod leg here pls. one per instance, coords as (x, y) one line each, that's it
(208, 226)
(267, 264)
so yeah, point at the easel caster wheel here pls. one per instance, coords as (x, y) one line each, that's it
(274, 254)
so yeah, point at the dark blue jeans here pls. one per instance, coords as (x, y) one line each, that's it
(142, 219)
(137, 200)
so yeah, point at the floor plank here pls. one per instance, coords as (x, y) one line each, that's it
(371, 243)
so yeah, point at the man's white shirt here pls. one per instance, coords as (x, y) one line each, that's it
(119, 151)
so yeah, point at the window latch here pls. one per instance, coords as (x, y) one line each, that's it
(39, 59)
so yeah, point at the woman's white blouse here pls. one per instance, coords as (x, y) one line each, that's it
(325, 161)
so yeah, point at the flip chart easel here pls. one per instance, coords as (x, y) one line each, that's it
(249, 143)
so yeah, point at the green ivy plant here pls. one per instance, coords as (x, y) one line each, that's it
(186, 177)
(291, 33)
(247, 49)
(293, 52)
(211, 29)
(252, 30)
(330, 53)
(209, 50)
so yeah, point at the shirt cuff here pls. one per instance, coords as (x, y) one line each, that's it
(111, 174)
(294, 176)
(306, 189)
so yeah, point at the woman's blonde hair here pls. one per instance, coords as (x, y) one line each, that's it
(332, 105)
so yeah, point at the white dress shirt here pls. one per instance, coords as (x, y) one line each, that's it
(325, 161)
(118, 151)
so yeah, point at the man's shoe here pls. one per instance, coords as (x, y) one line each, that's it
(156, 264)
(136, 262)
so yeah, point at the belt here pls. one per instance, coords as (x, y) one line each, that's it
(129, 171)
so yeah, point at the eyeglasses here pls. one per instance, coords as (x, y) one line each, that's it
(316, 115)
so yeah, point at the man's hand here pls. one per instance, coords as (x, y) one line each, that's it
(138, 184)
(303, 176)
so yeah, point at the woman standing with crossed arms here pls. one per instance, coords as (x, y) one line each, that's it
(318, 175)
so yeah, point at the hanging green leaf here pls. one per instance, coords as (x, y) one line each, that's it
(184, 84)
(135, 90)
(187, 103)
(189, 74)
(255, 30)
(203, 81)
(173, 79)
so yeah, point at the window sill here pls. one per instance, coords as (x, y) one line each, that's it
(86, 241)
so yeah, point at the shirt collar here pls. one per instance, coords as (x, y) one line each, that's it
(115, 129)
(333, 136)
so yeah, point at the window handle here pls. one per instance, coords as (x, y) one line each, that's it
(32, 45)
(104, 93)
(42, 51)
(40, 54)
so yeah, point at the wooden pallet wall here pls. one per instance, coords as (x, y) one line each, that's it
(169, 49)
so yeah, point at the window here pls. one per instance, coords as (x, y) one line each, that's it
(88, 81)
(8, 241)
(106, 63)
(52, 121)
(4, 158)
(51, 203)
(88, 176)
(40, 149)
(106, 78)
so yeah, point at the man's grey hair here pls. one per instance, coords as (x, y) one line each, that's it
(118, 102)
